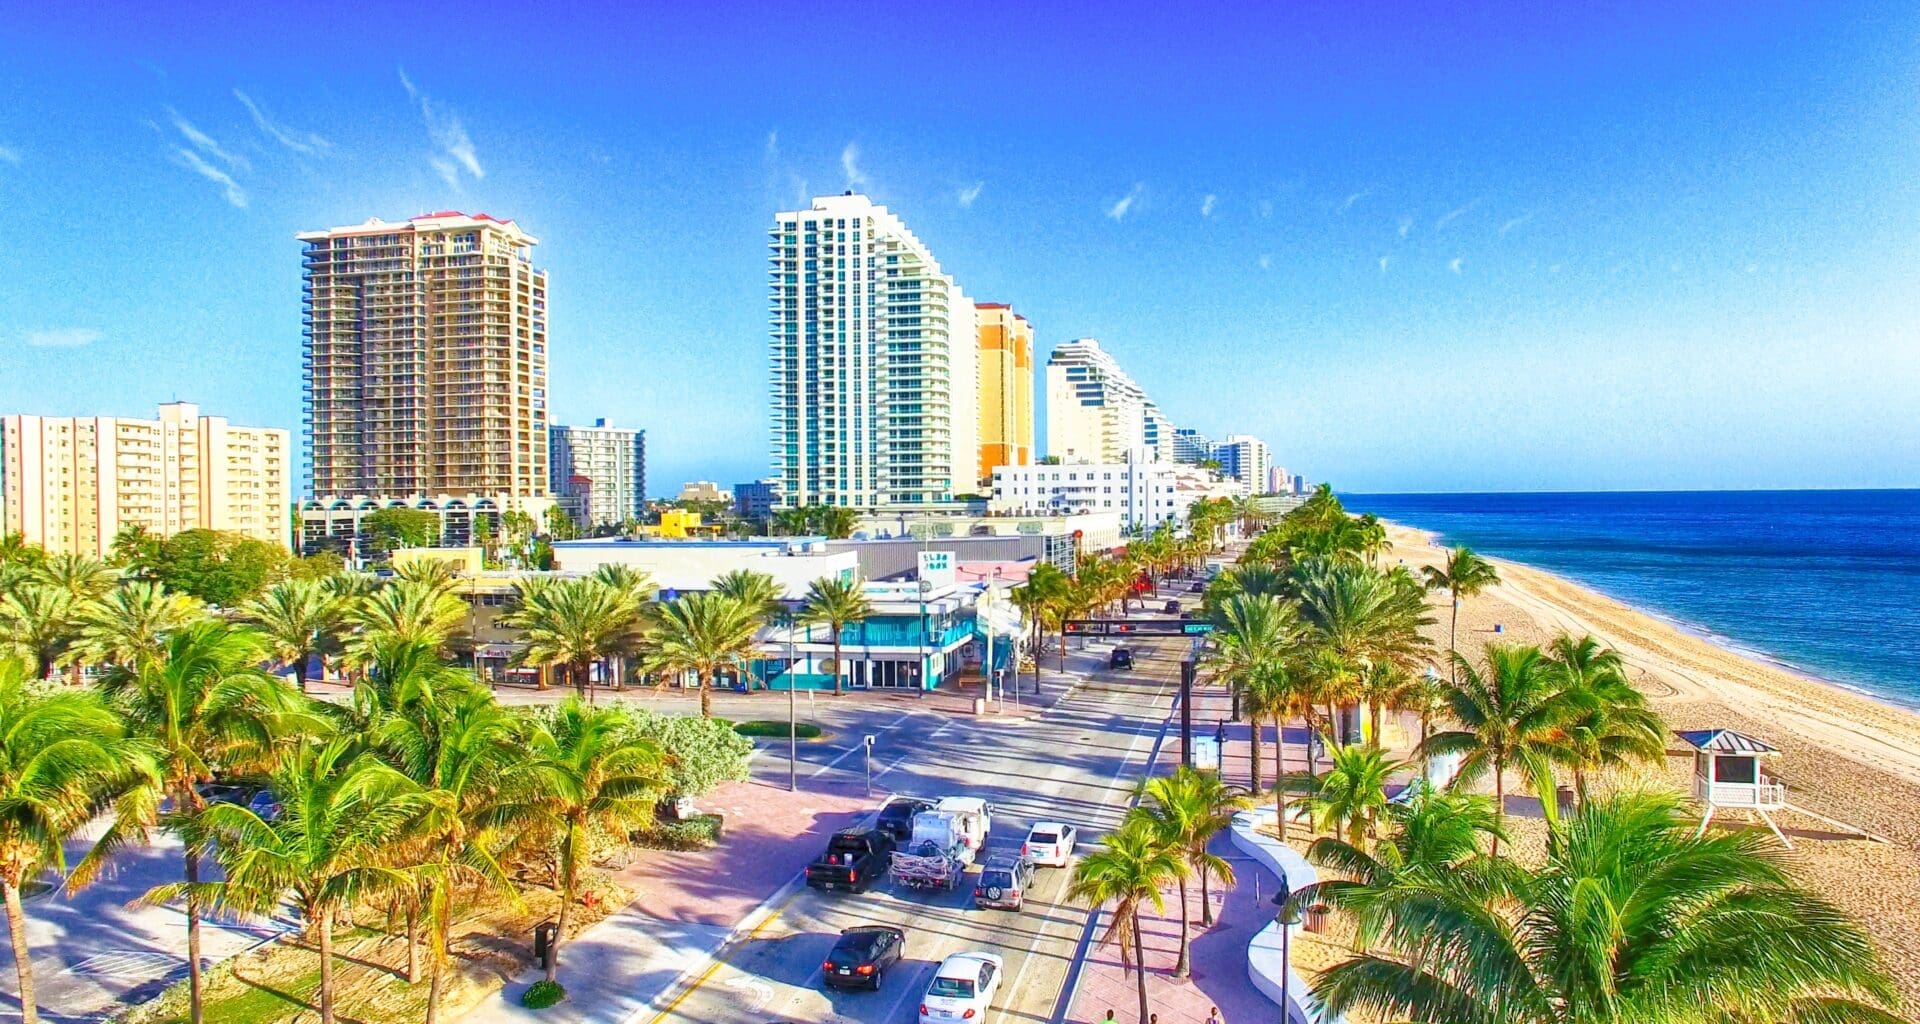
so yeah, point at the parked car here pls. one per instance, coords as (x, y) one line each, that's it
(855, 859)
(1121, 657)
(1051, 843)
(861, 957)
(962, 988)
(265, 804)
(223, 793)
(1172, 608)
(1003, 884)
(896, 818)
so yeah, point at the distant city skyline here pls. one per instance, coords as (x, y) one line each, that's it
(1498, 249)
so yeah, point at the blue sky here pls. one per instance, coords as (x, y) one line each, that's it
(1521, 246)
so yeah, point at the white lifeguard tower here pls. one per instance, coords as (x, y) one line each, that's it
(1726, 774)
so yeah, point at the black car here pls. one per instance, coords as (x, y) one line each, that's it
(1120, 658)
(1172, 608)
(856, 860)
(861, 957)
(896, 818)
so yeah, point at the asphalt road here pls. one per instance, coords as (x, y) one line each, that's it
(1077, 763)
(92, 953)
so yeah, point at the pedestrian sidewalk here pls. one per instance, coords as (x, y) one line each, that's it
(1217, 955)
(686, 906)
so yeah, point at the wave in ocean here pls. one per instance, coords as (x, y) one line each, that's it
(1825, 583)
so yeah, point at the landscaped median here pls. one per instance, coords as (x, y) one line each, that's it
(1253, 834)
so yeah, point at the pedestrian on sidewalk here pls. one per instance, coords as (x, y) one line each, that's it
(1213, 1015)
(1108, 1019)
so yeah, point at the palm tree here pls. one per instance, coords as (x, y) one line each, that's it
(432, 573)
(205, 708)
(835, 604)
(1189, 808)
(1131, 868)
(87, 579)
(342, 811)
(1382, 685)
(1036, 598)
(64, 758)
(1257, 630)
(1433, 834)
(756, 590)
(593, 775)
(404, 610)
(576, 622)
(1610, 725)
(1632, 919)
(1362, 616)
(1349, 798)
(300, 618)
(454, 742)
(625, 577)
(39, 622)
(837, 521)
(1509, 715)
(1463, 575)
(131, 623)
(1280, 691)
(702, 633)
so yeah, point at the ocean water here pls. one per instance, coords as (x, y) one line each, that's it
(1823, 582)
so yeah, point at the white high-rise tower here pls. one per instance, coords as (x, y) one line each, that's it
(874, 351)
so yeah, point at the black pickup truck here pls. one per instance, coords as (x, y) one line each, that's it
(856, 858)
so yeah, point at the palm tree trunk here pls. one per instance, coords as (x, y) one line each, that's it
(324, 921)
(300, 672)
(836, 661)
(1139, 964)
(582, 679)
(22, 964)
(569, 877)
(1499, 800)
(1180, 966)
(1373, 713)
(1254, 723)
(1280, 775)
(192, 870)
(413, 940)
(706, 694)
(1426, 759)
(1206, 900)
(1453, 632)
(439, 922)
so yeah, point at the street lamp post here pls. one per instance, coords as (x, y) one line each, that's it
(793, 726)
(1286, 917)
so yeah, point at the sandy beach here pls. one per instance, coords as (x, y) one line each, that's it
(1843, 756)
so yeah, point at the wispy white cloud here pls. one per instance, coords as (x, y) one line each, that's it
(9, 155)
(1121, 206)
(299, 141)
(850, 165)
(1354, 198)
(63, 337)
(236, 196)
(1383, 264)
(1554, 269)
(1455, 214)
(456, 151)
(206, 143)
(801, 192)
(970, 193)
(1509, 225)
(773, 146)
(1406, 226)
(1266, 262)
(1206, 205)
(1454, 264)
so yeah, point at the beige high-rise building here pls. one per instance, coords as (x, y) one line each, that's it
(1006, 387)
(426, 358)
(70, 484)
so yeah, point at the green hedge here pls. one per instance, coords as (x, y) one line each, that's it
(542, 994)
(696, 833)
(803, 730)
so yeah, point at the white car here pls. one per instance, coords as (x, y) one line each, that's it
(1050, 843)
(962, 989)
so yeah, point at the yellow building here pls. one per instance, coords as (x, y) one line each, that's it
(426, 358)
(1006, 388)
(70, 484)
(681, 524)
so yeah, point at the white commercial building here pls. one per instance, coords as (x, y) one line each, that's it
(1145, 494)
(1095, 412)
(874, 359)
(599, 473)
(685, 565)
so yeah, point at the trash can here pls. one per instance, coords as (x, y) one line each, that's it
(1317, 916)
(979, 705)
(543, 934)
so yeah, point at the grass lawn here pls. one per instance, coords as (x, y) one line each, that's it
(765, 727)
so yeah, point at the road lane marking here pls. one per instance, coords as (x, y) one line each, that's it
(850, 751)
